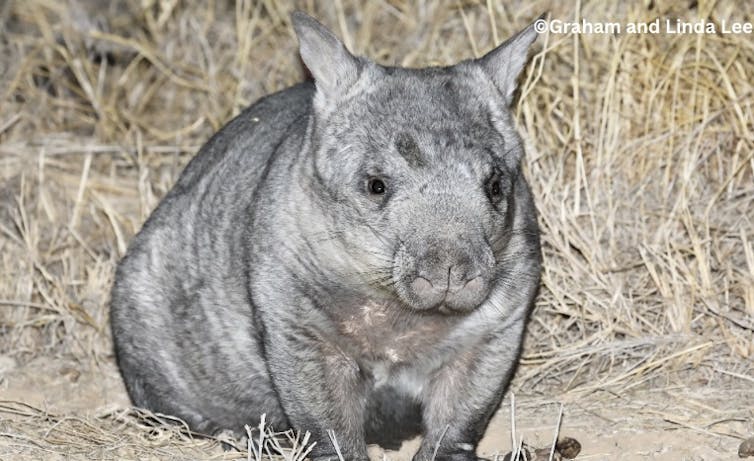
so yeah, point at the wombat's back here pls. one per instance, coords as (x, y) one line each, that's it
(249, 140)
(181, 317)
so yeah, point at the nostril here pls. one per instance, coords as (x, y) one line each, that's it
(422, 286)
(474, 284)
(460, 279)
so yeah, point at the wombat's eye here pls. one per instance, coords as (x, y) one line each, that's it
(376, 186)
(494, 190)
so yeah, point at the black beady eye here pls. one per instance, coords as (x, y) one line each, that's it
(495, 189)
(376, 186)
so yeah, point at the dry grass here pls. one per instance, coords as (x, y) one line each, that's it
(641, 156)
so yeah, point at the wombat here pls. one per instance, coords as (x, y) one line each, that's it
(358, 254)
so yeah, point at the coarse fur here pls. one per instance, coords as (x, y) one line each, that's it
(359, 254)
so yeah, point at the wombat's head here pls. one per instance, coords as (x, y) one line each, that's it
(420, 168)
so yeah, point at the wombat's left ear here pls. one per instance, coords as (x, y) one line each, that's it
(333, 67)
(505, 63)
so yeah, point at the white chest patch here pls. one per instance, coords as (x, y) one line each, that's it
(407, 380)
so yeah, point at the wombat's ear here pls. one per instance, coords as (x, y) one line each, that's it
(505, 63)
(334, 69)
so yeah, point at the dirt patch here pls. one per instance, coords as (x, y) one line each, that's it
(667, 423)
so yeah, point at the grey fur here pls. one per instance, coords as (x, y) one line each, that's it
(277, 277)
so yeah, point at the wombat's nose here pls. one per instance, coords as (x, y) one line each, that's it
(456, 286)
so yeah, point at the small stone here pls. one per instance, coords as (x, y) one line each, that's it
(543, 454)
(71, 373)
(746, 448)
(568, 447)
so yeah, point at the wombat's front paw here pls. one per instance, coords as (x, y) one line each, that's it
(230, 442)
(457, 456)
(335, 457)
(460, 457)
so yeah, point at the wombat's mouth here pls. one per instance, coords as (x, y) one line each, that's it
(446, 309)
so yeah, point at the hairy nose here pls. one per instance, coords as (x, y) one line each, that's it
(442, 278)
(451, 281)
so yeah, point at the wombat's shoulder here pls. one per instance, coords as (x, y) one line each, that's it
(217, 185)
(253, 135)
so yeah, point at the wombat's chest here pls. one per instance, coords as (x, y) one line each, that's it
(391, 342)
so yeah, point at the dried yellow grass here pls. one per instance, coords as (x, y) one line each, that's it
(640, 153)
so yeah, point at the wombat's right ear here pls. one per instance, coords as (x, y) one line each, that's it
(333, 67)
(504, 63)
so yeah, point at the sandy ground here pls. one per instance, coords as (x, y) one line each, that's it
(670, 423)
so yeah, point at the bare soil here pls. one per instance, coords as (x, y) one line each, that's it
(666, 423)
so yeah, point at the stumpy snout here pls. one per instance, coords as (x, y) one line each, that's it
(449, 278)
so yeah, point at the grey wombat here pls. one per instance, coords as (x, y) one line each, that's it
(359, 254)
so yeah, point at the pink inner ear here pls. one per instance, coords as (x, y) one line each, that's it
(330, 64)
(504, 63)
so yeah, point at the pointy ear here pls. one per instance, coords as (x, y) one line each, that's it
(505, 63)
(333, 67)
